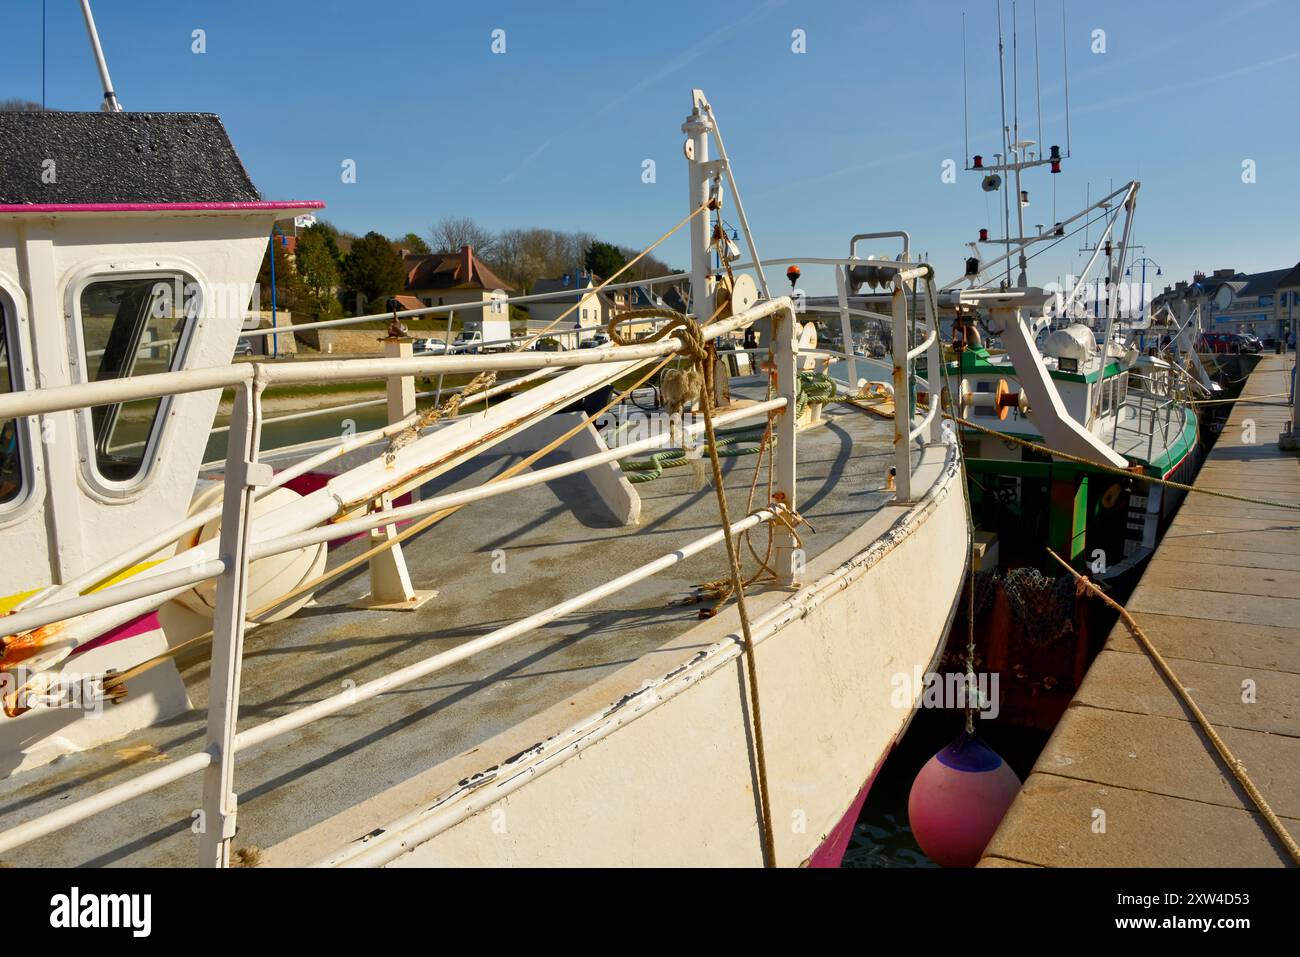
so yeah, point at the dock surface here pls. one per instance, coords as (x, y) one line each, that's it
(1128, 778)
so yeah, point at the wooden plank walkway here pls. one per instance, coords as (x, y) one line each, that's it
(1128, 779)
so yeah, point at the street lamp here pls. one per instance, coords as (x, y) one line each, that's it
(1142, 296)
(284, 241)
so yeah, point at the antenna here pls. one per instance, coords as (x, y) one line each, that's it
(110, 104)
(1015, 81)
(1018, 145)
(965, 99)
(1087, 200)
(1038, 82)
(1065, 66)
(1006, 145)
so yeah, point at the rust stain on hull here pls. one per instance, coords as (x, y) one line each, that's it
(18, 648)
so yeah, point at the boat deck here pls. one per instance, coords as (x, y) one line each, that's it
(1159, 437)
(556, 541)
(1220, 602)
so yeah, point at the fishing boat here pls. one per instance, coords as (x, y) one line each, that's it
(1071, 398)
(465, 637)
(1063, 408)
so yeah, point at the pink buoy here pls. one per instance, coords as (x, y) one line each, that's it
(958, 800)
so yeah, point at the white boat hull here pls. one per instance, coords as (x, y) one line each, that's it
(662, 771)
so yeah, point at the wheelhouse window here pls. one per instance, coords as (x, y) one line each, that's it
(11, 452)
(130, 327)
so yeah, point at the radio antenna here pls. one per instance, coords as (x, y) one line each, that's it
(1065, 63)
(110, 104)
(1006, 143)
(965, 98)
(1015, 83)
(1038, 82)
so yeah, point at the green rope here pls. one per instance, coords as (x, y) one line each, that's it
(813, 387)
(649, 469)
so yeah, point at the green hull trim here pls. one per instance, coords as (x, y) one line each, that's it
(976, 361)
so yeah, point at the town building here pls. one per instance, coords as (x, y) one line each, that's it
(441, 279)
(1265, 304)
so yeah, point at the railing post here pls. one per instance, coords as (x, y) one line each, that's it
(390, 581)
(243, 474)
(902, 398)
(846, 325)
(934, 359)
(1292, 440)
(788, 561)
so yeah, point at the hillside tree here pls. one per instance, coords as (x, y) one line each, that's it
(374, 268)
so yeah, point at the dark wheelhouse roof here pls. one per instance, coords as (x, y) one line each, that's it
(117, 158)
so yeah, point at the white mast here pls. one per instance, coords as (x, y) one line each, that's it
(697, 128)
(110, 105)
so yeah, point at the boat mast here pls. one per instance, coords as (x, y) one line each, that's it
(697, 128)
(110, 104)
(1022, 280)
(1006, 147)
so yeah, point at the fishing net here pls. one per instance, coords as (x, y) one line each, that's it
(1044, 606)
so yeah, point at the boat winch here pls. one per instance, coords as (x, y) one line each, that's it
(1000, 402)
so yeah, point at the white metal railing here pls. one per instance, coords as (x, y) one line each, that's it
(458, 306)
(247, 479)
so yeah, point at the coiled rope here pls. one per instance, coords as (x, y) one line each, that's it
(653, 467)
(813, 387)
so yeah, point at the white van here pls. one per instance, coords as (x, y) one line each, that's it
(490, 324)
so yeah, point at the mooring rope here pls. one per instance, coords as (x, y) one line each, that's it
(703, 354)
(1234, 765)
(971, 683)
(1245, 399)
(1126, 473)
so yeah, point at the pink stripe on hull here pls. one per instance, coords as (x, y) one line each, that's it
(136, 626)
(830, 853)
(311, 481)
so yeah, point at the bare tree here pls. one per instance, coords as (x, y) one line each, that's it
(450, 233)
(648, 267)
(20, 106)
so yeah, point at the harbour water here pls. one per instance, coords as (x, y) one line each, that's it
(882, 837)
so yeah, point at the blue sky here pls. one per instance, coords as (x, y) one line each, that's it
(846, 137)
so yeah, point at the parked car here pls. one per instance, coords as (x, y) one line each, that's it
(1227, 343)
(243, 347)
(429, 347)
(595, 342)
(470, 342)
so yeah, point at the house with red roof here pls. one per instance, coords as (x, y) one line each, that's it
(441, 279)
